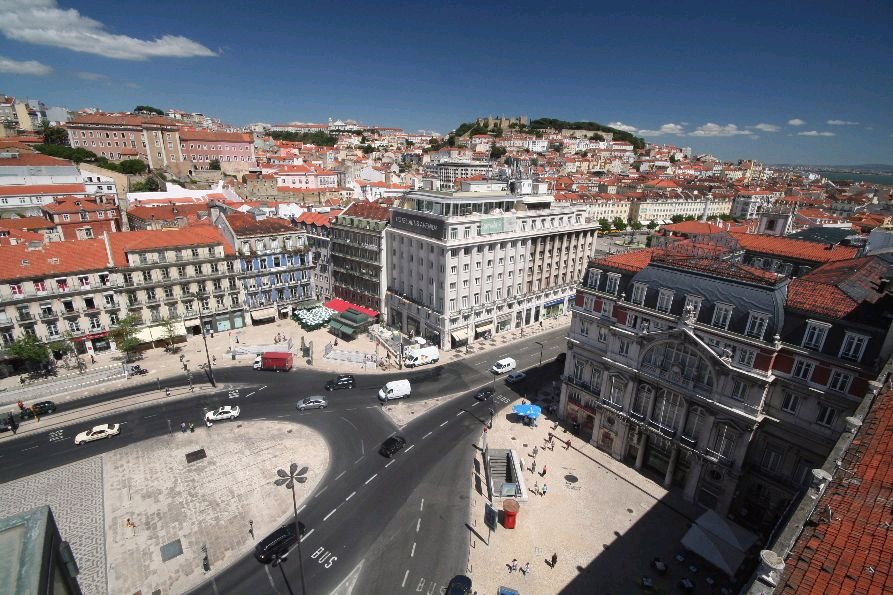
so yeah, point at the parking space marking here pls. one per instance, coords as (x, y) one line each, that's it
(360, 459)
(319, 493)
(458, 414)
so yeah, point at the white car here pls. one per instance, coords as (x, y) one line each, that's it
(223, 413)
(98, 433)
(312, 403)
(515, 377)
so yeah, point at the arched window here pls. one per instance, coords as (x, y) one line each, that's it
(642, 402)
(693, 424)
(668, 410)
(678, 363)
(723, 443)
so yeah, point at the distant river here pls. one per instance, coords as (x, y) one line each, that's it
(886, 180)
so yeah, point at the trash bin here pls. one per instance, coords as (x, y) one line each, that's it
(510, 510)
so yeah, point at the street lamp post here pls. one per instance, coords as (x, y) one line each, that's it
(201, 321)
(288, 479)
(541, 352)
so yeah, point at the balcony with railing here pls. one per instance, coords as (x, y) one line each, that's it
(26, 317)
(48, 314)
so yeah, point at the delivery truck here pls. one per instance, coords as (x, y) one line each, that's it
(421, 356)
(281, 361)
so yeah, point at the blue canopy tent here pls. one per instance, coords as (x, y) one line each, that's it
(531, 411)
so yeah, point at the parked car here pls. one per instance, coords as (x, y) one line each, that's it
(341, 382)
(137, 370)
(276, 544)
(223, 413)
(392, 446)
(515, 377)
(98, 433)
(41, 408)
(312, 403)
(8, 423)
(484, 394)
(459, 585)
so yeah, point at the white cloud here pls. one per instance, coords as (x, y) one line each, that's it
(711, 129)
(42, 22)
(91, 76)
(842, 123)
(623, 127)
(27, 67)
(815, 133)
(132, 86)
(767, 127)
(665, 129)
(796, 122)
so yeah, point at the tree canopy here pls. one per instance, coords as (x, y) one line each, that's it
(81, 155)
(552, 123)
(618, 223)
(322, 139)
(497, 152)
(125, 333)
(147, 109)
(53, 135)
(30, 349)
(215, 164)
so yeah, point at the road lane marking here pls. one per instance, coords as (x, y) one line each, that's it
(370, 479)
(362, 449)
(458, 414)
(352, 494)
(350, 422)
(358, 460)
(444, 423)
(303, 506)
(422, 504)
(30, 448)
(418, 525)
(307, 534)
(391, 462)
(340, 475)
(261, 388)
(426, 435)
(411, 446)
(475, 404)
(412, 553)
(403, 584)
(148, 416)
(249, 394)
(325, 518)
(319, 493)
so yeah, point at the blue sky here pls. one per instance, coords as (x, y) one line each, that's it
(794, 82)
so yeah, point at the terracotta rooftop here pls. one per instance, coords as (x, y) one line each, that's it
(188, 237)
(845, 546)
(693, 227)
(245, 224)
(164, 212)
(837, 289)
(633, 261)
(43, 189)
(35, 159)
(26, 223)
(69, 204)
(188, 134)
(791, 248)
(368, 210)
(53, 258)
(318, 219)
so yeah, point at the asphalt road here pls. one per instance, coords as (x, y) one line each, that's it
(387, 525)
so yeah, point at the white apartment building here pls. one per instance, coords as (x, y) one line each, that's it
(748, 204)
(662, 207)
(449, 171)
(465, 265)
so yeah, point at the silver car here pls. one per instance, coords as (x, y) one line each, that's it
(312, 403)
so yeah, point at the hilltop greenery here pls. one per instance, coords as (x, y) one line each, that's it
(544, 123)
(81, 155)
(321, 139)
(147, 109)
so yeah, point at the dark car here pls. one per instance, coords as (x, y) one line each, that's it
(41, 408)
(392, 446)
(8, 423)
(276, 544)
(341, 382)
(484, 394)
(459, 585)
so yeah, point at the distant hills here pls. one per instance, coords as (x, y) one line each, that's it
(862, 168)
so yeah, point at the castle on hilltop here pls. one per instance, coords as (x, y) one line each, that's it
(502, 122)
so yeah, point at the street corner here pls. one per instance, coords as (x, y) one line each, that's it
(169, 497)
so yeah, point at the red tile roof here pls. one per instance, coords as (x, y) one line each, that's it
(318, 219)
(368, 210)
(112, 120)
(43, 189)
(245, 224)
(693, 227)
(633, 261)
(52, 259)
(167, 212)
(791, 248)
(67, 204)
(846, 545)
(188, 237)
(26, 223)
(187, 134)
(35, 159)
(837, 289)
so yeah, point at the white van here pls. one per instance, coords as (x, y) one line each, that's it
(421, 356)
(504, 365)
(395, 389)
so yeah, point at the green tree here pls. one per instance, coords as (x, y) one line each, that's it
(132, 166)
(690, 218)
(147, 109)
(31, 350)
(618, 223)
(604, 224)
(215, 164)
(652, 225)
(673, 158)
(321, 139)
(635, 225)
(78, 155)
(124, 333)
(497, 152)
(367, 149)
(171, 332)
(677, 218)
(451, 141)
(53, 135)
(150, 184)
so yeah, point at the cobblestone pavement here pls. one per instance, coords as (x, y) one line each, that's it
(74, 494)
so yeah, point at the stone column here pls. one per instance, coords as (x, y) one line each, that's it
(671, 468)
(692, 479)
(620, 439)
(640, 456)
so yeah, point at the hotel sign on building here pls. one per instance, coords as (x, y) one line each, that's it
(429, 227)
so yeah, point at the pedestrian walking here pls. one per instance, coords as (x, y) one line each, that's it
(167, 392)
(251, 528)
(545, 490)
(191, 427)
(533, 466)
(536, 449)
(208, 423)
(185, 367)
(554, 560)
(214, 359)
(514, 565)
(536, 488)
(92, 359)
(545, 468)
(567, 444)
(526, 569)
(21, 405)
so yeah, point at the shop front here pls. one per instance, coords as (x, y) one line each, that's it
(553, 308)
(459, 337)
(504, 323)
(483, 330)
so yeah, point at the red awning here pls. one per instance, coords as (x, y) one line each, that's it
(339, 305)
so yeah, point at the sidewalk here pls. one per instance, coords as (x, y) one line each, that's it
(163, 366)
(604, 520)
